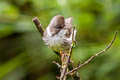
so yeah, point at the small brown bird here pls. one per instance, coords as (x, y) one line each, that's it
(60, 37)
(58, 34)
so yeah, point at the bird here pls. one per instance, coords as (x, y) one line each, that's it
(59, 34)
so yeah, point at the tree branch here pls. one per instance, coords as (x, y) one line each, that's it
(97, 54)
(59, 66)
(38, 25)
(75, 75)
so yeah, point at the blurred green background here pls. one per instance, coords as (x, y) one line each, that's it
(23, 55)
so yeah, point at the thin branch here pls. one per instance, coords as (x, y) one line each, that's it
(38, 25)
(75, 75)
(57, 77)
(97, 54)
(59, 66)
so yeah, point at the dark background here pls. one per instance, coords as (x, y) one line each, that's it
(23, 55)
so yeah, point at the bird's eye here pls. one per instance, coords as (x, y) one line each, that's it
(58, 27)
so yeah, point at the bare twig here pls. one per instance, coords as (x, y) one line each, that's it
(97, 54)
(75, 75)
(38, 25)
(57, 77)
(59, 66)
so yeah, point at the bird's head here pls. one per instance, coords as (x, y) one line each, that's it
(56, 24)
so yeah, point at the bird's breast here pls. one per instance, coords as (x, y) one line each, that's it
(58, 42)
